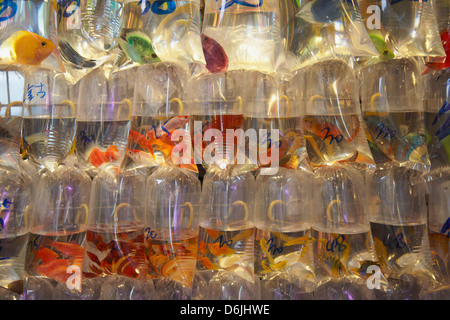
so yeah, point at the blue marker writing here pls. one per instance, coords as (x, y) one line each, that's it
(337, 138)
(387, 132)
(222, 242)
(394, 242)
(337, 243)
(229, 3)
(86, 139)
(273, 247)
(150, 233)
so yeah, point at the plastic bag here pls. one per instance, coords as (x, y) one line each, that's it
(11, 104)
(28, 34)
(49, 117)
(243, 35)
(115, 233)
(392, 105)
(226, 235)
(103, 120)
(332, 125)
(283, 246)
(58, 218)
(402, 28)
(344, 251)
(399, 229)
(17, 190)
(324, 29)
(160, 126)
(171, 234)
(271, 116)
(167, 31)
(88, 32)
(216, 106)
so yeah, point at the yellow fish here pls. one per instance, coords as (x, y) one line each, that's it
(28, 48)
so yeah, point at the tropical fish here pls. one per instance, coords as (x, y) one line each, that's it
(55, 269)
(151, 144)
(68, 249)
(381, 46)
(98, 157)
(46, 255)
(411, 147)
(361, 271)
(333, 265)
(321, 11)
(28, 48)
(215, 56)
(138, 47)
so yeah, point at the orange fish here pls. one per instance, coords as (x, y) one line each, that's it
(98, 157)
(46, 255)
(218, 249)
(69, 249)
(163, 143)
(55, 269)
(202, 247)
(208, 264)
(28, 48)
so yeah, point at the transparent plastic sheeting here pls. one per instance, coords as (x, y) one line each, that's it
(28, 34)
(103, 120)
(392, 107)
(243, 35)
(403, 28)
(167, 31)
(332, 123)
(316, 30)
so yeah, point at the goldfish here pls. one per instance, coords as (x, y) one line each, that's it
(152, 144)
(208, 264)
(138, 47)
(28, 48)
(219, 249)
(98, 157)
(215, 56)
(180, 269)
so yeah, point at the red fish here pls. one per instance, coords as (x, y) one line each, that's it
(46, 255)
(69, 249)
(152, 143)
(215, 56)
(98, 157)
(55, 269)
